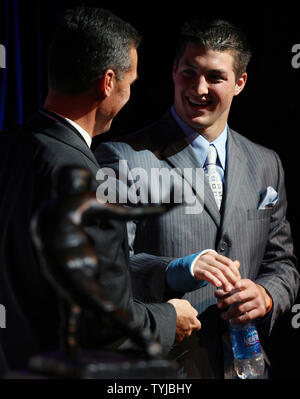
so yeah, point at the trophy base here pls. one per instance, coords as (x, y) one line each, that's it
(104, 364)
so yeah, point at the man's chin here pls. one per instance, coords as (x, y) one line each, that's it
(102, 129)
(198, 123)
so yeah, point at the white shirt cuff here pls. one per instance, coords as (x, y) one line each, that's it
(195, 260)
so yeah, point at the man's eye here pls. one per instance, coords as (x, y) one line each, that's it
(214, 78)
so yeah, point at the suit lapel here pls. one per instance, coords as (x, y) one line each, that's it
(234, 174)
(180, 154)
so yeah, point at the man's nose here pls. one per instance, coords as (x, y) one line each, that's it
(201, 86)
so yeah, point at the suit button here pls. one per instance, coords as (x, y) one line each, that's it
(222, 247)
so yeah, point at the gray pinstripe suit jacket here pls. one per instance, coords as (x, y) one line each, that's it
(259, 239)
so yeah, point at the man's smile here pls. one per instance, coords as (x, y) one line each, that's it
(199, 103)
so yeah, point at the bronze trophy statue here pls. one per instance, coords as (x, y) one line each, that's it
(71, 264)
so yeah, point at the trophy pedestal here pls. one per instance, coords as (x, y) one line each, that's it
(103, 364)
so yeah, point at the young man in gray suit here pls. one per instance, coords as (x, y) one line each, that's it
(92, 64)
(238, 234)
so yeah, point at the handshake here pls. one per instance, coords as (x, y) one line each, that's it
(241, 299)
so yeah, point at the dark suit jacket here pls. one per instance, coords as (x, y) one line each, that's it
(259, 239)
(30, 160)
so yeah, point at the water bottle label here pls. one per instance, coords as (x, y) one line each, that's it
(245, 343)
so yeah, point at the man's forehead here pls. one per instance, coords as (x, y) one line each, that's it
(196, 54)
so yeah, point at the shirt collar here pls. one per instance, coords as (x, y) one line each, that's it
(83, 132)
(200, 144)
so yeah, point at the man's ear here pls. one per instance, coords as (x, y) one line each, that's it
(240, 83)
(174, 70)
(105, 83)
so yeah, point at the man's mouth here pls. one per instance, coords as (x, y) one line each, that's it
(199, 103)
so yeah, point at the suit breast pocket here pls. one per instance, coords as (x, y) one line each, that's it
(257, 233)
(259, 214)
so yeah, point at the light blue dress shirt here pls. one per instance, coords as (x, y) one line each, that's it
(179, 273)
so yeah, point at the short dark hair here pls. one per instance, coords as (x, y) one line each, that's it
(217, 35)
(87, 42)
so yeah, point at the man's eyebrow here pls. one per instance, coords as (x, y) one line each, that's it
(218, 72)
(190, 65)
(210, 71)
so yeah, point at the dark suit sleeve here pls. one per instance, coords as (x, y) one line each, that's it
(278, 273)
(161, 318)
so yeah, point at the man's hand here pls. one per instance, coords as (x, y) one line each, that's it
(218, 270)
(187, 320)
(251, 301)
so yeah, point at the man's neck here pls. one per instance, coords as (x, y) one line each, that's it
(76, 108)
(212, 132)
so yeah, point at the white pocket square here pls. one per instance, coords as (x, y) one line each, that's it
(269, 198)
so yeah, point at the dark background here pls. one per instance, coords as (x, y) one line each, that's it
(267, 111)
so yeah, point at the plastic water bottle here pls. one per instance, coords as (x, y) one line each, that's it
(248, 359)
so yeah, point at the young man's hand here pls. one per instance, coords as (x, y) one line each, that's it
(218, 270)
(248, 301)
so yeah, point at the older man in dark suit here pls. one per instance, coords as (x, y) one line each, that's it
(92, 64)
(238, 210)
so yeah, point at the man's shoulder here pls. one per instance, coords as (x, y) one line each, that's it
(144, 142)
(148, 134)
(34, 150)
(249, 146)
